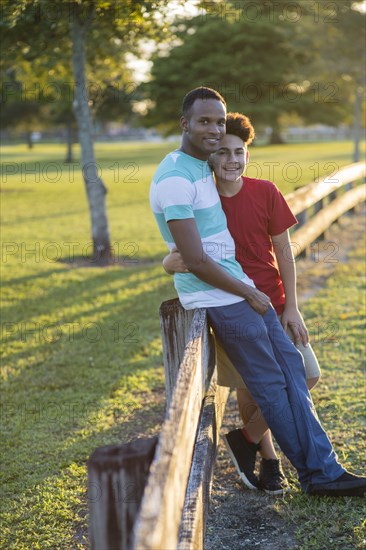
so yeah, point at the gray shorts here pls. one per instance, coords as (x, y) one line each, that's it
(227, 375)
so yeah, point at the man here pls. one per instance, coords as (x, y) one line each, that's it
(258, 219)
(188, 211)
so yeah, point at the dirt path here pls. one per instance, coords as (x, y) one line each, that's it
(240, 519)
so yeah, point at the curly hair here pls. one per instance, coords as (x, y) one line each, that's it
(240, 125)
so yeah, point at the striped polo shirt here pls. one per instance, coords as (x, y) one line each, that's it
(183, 188)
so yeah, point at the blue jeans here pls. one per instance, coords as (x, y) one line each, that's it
(273, 370)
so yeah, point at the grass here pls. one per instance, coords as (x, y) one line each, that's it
(337, 317)
(81, 352)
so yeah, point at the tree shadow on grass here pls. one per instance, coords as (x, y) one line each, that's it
(61, 296)
(58, 410)
(57, 471)
(93, 358)
(40, 275)
(119, 261)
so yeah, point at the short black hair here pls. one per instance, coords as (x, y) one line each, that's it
(239, 125)
(203, 93)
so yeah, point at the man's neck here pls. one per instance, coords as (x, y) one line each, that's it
(192, 152)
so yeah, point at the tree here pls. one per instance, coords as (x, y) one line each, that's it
(267, 58)
(35, 112)
(95, 35)
(251, 61)
(337, 40)
(15, 112)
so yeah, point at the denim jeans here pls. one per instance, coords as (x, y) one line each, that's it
(273, 370)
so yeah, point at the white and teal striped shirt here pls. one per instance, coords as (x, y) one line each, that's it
(182, 188)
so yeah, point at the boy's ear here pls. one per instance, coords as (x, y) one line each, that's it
(184, 123)
(247, 157)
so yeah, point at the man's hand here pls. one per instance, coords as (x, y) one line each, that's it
(258, 300)
(173, 263)
(291, 318)
(188, 241)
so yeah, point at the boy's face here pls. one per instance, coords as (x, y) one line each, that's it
(230, 160)
(203, 128)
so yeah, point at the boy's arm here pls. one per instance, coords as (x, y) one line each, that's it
(286, 263)
(188, 242)
(173, 263)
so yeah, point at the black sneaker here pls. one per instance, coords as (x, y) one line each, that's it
(271, 477)
(346, 485)
(243, 455)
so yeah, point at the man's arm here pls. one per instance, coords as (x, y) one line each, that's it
(188, 242)
(286, 263)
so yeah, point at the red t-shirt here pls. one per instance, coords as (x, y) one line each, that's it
(258, 211)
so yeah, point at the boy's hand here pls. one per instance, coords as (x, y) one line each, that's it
(291, 318)
(173, 263)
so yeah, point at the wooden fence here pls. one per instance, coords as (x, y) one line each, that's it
(308, 204)
(153, 494)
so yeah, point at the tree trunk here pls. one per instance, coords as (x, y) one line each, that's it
(276, 137)
(29, 139)
(69, 137)
(95, 188)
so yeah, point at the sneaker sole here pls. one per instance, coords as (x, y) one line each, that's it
(277, 492)
(243, 477)
(339, 493)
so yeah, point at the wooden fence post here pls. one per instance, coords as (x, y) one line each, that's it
(175, 323)
(348, 187)
(116, 482)
(158, 523)
(302, 219)
(193, 523)
(317, 207)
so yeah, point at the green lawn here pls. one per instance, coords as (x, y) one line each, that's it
(336, 322)
(81, 352)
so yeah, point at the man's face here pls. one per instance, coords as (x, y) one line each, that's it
(203, 128)
(230, 160)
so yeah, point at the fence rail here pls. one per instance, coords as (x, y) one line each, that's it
(172, 511)
(308, 195)
(158, 524)
(314, 216)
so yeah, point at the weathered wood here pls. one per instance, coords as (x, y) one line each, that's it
(319, 223)
(176, 323)
(192, 527)
(116, 481)
(158, 523)
(308, 195)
